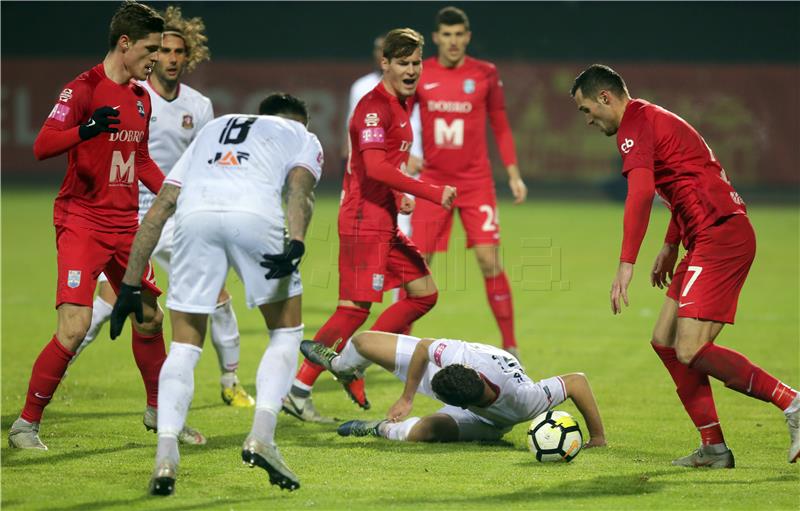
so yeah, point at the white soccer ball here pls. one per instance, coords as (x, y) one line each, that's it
(555, 436)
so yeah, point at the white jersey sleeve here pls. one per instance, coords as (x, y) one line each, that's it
(310, 157)
(416, 129)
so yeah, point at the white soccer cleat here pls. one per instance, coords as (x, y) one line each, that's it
(188, 434)
(257, 453)
(25, 435)
(793, 423)
(163, 480)
(305, 410)
(704, 458)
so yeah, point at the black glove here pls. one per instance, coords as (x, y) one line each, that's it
(281, 265)
(129, 300)
(101, 121)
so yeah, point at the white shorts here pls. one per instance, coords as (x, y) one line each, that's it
(470, 425)
(206, 244)
(163, 251)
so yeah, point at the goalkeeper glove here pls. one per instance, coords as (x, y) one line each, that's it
(281, 265)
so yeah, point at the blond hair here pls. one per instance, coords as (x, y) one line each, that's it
(402, 42)
(191, 31)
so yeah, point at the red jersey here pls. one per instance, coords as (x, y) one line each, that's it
(687, 175)
(100, 190)
(380, 121)
(454, 104)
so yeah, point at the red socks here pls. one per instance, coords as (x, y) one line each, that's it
(498, 292)
(150, 353)
(694, 392)
(342, 325)
(738, 373)
(400, 315)
(47, 372)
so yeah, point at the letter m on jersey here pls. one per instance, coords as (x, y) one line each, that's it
(449, 136)
(122, 171)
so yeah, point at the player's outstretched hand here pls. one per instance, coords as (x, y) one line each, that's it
(595, 442)
(129, 300)
(407, 205)
(101, 121)
(664, 266)
(400, 409)
(518, 189)
(448, 197)
(281, 265)
(619, 288)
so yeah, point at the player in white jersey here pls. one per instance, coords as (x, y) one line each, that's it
(179, 112)
(225, 193)
(485, 389)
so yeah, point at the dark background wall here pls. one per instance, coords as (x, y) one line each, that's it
(732, 69)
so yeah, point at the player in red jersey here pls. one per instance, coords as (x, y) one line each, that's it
(662, 153)
(456, 95)
(373, 255)
(101, 120)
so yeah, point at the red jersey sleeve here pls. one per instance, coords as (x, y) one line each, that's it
(641, 188)
(60, 130)
(148, 172)
(673, 236)
(379, 169)
(636, 143)
(496, 108)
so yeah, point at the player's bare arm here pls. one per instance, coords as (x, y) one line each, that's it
(416, 369)
(518, 188)
(149, 232)
(579, 390)
(299, 202)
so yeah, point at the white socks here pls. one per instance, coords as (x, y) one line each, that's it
(101, 312)
(264, 423)
(278, 365)
(176, 387)
(225, 336)
(398, 430)
(349, 359)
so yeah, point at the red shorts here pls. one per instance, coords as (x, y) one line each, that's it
(83, 254)
(431, 224)
(708, 280)
(371, 264)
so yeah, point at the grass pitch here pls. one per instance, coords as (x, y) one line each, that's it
(560, 257)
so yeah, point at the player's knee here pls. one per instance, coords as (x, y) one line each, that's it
(425, 303)
(434, 429)
(685, 352)
(70, 334)
(153, 320)
(359, 340)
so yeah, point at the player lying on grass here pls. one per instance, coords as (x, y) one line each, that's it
(485, 389)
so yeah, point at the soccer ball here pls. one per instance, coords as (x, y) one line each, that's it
(555, 436)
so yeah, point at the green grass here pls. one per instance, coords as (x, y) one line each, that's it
(561, 258)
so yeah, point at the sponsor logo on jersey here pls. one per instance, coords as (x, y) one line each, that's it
(127, 136)
(65, 95)
(372, 119)
(458, 107)
(429, 86)
(122, 170)
(229, 159)
(377, 281)
(59, 112)
(372, 135)
(140, 107)
(188, 122)
(469, 86)
(73, 279)
(682, 305)
(547, 392)
(437, 355)
(626, 146)
(320, 158)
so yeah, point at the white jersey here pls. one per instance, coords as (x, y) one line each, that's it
(358, 90)
(519, 398)
(173, 126)
(240, 163)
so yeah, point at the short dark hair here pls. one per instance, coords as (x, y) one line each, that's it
(283, 103)
(458, 385)
(451, 16)
(402, 42)
(134, 20)
(599, 77)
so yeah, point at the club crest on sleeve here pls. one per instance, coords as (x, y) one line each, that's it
(65, 95)
(626, 146)
(188, 121)
(377, 281)
(372, 119)
(73, 278)
(469, 86)
(140, 107)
